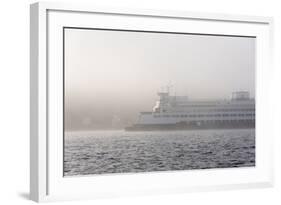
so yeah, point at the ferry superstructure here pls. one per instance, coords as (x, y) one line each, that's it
(178, 112)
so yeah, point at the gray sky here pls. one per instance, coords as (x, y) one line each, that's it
(117, 73)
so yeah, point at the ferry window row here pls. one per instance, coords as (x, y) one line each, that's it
(213, 105)
(226, 110)
(210, 115)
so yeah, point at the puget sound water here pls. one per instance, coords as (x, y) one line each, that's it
(104, 152)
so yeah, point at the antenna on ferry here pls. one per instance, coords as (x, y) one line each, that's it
(169, 86)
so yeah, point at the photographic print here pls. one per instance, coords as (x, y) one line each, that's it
(147, 101)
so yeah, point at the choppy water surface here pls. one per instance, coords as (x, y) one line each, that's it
(100, 152)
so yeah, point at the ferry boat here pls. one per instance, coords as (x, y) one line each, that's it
(180, 113)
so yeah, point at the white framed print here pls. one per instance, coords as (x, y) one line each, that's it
(130, 102)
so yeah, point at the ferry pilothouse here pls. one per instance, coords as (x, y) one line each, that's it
(180, 113)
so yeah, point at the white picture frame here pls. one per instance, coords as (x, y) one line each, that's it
(47, 21)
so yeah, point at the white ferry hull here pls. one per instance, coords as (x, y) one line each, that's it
(241, 124)
(180, 113)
